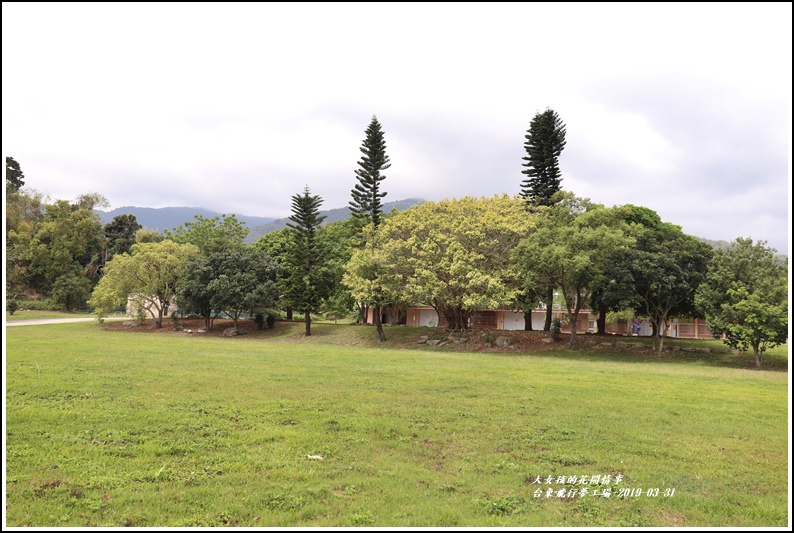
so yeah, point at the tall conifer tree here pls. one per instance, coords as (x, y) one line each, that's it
(545, 140)
(366, 194)
(366, 204)
(306, 284)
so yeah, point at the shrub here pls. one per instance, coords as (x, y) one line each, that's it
(260, 320)
(11, 306)
(271, 320)
(556, 329)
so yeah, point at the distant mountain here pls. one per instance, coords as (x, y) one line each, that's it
(168, 218)
(332, 215)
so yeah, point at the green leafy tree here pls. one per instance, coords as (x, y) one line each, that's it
(194, 291)
(370, 276)
(545, 140)
(15, 178)
(367, 195)
(66, 236)
(453, 255)
(210, 234)
(621, 297)
(276, 245)
(121, 234)
(145, 235)
(24, 210)
(149, 275)
(308, 281)
(339, 239)
(244, 279)
(658, 277)
(72, 289)
(569, 245)
(745, 297)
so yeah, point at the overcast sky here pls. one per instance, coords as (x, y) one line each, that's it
(682, 108)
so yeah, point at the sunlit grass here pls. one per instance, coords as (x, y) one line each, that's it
(112, 428)
(33, 315)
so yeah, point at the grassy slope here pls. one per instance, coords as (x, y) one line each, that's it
(108, 428)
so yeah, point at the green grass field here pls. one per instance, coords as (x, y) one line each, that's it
(121, 428)
(33, 315)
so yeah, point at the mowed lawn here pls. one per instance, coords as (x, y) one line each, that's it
(120, 428)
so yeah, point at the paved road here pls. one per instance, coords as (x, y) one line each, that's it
(41, 321)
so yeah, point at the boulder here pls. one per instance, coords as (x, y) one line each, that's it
(502, 341)
(434, 342)
(423, 339)
(621, 344)
(130, 324)
(230, 332)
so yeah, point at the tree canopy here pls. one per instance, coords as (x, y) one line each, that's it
(210, 234)
(150, 275)
(658, 277)
(745, 297)
(453, 255)
(234, 280)
(569, 247)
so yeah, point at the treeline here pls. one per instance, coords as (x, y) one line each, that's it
(458, 256)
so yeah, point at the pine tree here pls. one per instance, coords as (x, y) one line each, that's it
(545, 141)
(366, 201)
(306, 283)
(15, 178)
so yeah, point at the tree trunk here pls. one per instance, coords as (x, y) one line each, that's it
(158, 322)
(549, 306)
(457, 318)
(528, 320)
(601, 323)
(574, 316)
(289, 313)
(308, 319)
(757, 355)
(379, 324)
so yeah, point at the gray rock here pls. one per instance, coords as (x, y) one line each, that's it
(201, 331)
(621, 344)
(704, 350)
(687, 349)
(606, 344)
(130, 324)
(230, 332)
(423, 339)
(737, 352)
(502, 341)
(547, 339)
(434, 342)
